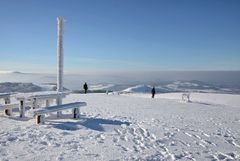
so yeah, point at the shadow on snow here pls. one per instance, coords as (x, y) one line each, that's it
(90, 123)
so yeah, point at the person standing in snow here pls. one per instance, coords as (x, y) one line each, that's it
(85, 87)
(153, 92)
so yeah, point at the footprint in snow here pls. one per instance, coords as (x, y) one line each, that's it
(125, 149)
(137, 149)
(221, 156)
(124, 138)
(230, 141)
(115, 140)
(59, 158)
(100, 138)
(132, 131)
(188, 134)
(118, 131)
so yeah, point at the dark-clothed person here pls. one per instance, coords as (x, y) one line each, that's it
(85, 87)
(153, 92)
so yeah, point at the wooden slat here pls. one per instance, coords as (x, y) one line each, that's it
(12, 106)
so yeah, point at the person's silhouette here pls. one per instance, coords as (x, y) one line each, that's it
(153, 92)
(85, 87)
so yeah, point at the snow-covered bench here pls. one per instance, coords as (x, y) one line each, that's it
(7, 103)
(39, 114)
(37, 97)
(7, 108)
(186, 97)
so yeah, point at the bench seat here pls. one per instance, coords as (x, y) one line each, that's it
(40, 113)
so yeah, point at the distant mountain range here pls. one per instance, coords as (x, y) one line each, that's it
(173, 86)
(221, 82)
(165, 87)
(181, 86)
(9, 72)
(7, 87)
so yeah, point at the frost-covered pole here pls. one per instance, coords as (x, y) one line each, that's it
(60, 55)
(60, 21)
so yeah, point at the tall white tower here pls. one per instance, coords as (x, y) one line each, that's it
(60, 58)
(60, 21)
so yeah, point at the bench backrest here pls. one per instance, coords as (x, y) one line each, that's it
(13, 105)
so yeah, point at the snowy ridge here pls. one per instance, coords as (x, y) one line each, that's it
(9, 72)
(139, 89)
(100, 86)
(7, 87)
(19, 87)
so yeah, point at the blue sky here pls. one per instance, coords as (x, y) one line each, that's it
(121, 35)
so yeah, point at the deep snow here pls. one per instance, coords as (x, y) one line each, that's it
(130, 127)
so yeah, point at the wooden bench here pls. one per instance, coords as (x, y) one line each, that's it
(37, 97)
(39, 114)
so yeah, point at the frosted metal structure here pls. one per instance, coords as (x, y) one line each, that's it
(60, 22)
(60, 54)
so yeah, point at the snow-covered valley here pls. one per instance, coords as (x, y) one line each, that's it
(130, 127)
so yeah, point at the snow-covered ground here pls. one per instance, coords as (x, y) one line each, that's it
(130, 127)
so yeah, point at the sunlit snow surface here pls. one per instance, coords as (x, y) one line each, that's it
(130, 127)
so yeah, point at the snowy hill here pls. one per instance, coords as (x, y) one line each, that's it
(129, 127)
(101, 86)
(139, 89)
(19, 87)
(9, 72)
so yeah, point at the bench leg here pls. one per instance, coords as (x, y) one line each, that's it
(22, 108)
(76, 113)
(8, 112)
(34, 103)
(40, 119)
(59, 114)
(59, 102)
(47, 103)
